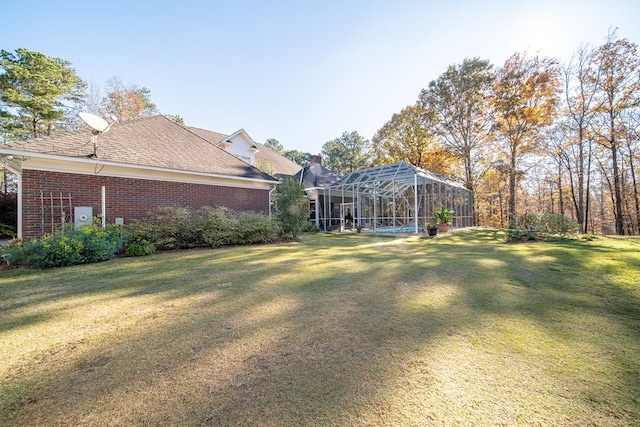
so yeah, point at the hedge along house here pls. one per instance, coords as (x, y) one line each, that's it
(390, 198)
(131, 169)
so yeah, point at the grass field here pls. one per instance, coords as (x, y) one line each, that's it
(343, 330)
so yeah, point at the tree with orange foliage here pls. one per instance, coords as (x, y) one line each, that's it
(409, 137)
(525, 97)
(127, 102)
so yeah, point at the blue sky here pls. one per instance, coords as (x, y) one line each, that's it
(302, 72)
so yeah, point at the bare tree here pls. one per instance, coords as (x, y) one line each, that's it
(617, 90)
(632, 151)
(581, 80)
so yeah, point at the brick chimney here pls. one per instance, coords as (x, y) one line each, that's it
(315, 160)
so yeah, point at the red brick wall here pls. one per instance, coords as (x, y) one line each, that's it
(125, 197)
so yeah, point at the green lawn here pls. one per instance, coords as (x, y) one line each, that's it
(461, 329)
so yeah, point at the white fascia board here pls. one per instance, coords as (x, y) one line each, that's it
(89, 165)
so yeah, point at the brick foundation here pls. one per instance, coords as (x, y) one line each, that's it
(126, 198)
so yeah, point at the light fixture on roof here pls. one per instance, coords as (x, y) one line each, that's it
(99, 126)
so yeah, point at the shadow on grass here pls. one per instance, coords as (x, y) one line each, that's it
(335, 330)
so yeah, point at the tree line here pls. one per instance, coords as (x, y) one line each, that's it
(529, 136)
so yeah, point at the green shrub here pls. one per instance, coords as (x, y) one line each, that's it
(66, 246)
(311, 227)
(219, 226)
(140, 248)
(520, 235)
(15, 253)
(170, 228)
(98, 244)
(291, 207)
(253, 228)
(55, 250)
(546, 226)
(226, 227)
(181, 228)
(549, 223)
(6, 230)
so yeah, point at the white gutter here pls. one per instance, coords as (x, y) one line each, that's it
(91, 161)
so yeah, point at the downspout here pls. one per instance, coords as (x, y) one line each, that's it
(103, 211)
(270, 199)
(19, 203)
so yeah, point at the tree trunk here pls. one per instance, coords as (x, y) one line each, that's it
(587, 202)
(636, 196)
(635, 227)
(501, 206)
(560, 193)
(35, 127)
(617, 189)
(580, 209)
(512, 188)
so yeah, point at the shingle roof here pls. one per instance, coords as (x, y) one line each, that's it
(318, 176)
(213, 137)
(281, 165)
(148, 142)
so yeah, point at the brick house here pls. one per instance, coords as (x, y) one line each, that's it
(136, 166)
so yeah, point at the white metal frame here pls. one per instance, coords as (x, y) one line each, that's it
(394, 195)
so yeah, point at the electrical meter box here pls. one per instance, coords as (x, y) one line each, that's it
(83, 216)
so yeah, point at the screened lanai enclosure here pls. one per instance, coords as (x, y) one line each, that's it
(396, 198)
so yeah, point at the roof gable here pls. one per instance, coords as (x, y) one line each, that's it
(241, 145)
(265, 158)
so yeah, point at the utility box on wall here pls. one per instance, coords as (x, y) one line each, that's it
(83, 215)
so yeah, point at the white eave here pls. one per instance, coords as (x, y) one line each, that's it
(93, 161)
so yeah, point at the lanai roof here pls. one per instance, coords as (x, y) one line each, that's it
(155, 142)
(387, 180)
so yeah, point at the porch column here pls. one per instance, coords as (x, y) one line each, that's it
(415, 200)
